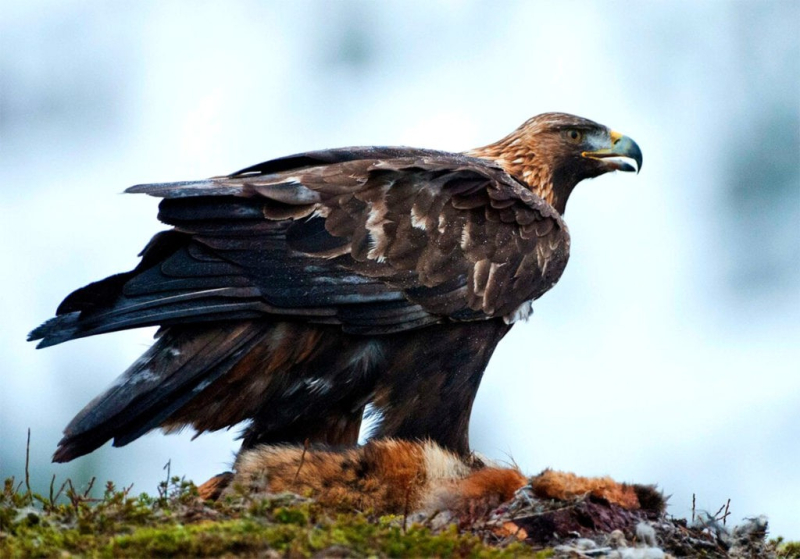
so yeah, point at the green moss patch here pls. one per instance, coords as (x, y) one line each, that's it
(178, 524)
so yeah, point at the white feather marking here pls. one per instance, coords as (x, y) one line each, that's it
(143, 375)
(293, 388)
(522, 313)
(202, 386)
(321, 211)
(370, 355)
(373, 417)
(377, 215)
(540, 256)
(417, 221)
(318, 385)
(443, 224)
(476, 287)
(493, 269)
(277, 334)
(465, 237)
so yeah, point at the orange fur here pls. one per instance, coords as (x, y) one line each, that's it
(565, 486)
(213, 488)
(501, 483)
(385, 476)
(478, 494)
(394, 476)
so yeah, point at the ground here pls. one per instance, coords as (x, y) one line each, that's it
(177, 523)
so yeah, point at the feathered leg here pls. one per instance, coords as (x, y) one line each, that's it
(431, 380)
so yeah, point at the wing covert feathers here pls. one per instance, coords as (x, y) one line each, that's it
(376, 240)
(415, 221)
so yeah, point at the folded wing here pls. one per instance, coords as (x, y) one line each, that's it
(377, 240)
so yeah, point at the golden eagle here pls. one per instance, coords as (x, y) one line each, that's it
(295, 292)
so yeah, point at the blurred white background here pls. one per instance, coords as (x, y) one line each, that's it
(670, 350)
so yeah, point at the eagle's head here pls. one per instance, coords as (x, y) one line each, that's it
(553, 152)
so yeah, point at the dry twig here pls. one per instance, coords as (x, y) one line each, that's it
(306, 443)
(29, 493)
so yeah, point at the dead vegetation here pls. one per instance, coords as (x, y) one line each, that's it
(176, 522)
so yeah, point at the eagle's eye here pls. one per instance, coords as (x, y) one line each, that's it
(574, 136)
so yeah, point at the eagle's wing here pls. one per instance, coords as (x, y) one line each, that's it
(376, 240)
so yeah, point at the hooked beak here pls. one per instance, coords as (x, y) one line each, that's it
(621, 147)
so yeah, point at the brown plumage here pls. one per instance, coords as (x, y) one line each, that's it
(294, 293)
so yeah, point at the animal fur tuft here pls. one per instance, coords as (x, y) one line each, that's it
(566, 486)
(386, 476)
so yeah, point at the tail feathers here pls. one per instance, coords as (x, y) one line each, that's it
(180, 365)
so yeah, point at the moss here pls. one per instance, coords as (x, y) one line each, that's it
(177, 523)
(787, 550)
